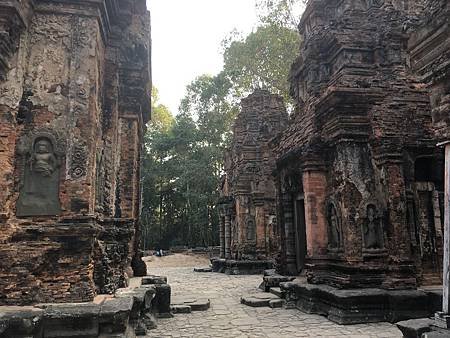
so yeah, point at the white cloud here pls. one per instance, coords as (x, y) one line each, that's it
(187, 36)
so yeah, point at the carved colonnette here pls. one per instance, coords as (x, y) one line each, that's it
(73, 105)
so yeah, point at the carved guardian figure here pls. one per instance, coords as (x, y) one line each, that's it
(39, 189)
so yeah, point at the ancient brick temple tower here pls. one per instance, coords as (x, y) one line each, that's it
(359, 172)
(429, 48)
(361, 179)
(74, 98)
(248, 210)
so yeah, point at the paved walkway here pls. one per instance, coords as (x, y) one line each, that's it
(228, 318)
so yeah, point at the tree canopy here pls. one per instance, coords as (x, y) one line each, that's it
(262, 59)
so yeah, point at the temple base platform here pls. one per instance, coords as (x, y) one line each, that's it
(240, 267)
(356, 306)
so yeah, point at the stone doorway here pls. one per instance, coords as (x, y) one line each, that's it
(428, 231)
(300, 232)
(428, 220)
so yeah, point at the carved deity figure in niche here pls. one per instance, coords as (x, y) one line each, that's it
(334, 228)
(39, 191)
(372, 230)
(43, 160)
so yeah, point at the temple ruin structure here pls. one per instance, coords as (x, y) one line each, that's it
(359, 170)
(429, 50)
(249, 236)
(360, 177)
(74, 99)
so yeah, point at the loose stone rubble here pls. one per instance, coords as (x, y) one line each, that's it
(130, 312)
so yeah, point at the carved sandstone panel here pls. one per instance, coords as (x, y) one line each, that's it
(40, 157)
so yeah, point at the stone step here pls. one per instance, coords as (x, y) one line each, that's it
(259, 300)
(275, 280)
(206, 269)
(196, 304)
(277, 292)
(181, 309)
(276, 303)
(152, 280)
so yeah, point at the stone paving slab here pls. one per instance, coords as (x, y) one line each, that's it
(195, 303)
(258, 299)
(228, 318)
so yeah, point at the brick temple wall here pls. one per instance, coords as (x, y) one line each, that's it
(359, 157)
(248, 191)
(70, 210)
(429, 48)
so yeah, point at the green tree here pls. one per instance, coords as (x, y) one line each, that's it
(183, 163)
(184, 153)
(162, 118)
(262, 59)
(282, 13)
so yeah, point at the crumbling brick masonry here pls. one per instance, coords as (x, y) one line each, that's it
(74, 99)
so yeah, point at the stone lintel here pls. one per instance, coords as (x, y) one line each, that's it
(259, 199)
(313, 164)
(287, 158)
(388, 158)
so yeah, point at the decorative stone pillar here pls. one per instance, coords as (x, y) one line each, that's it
(446, 293)
(288, 220)
(393, 174)
(314, 184)
(227, 224)
(222, 235)
(443, 318)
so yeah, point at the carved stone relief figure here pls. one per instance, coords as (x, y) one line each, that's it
(39, 189)
(292, 183)
(372, 232)
(334, 228)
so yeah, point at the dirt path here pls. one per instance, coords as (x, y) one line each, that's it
(177, 261)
